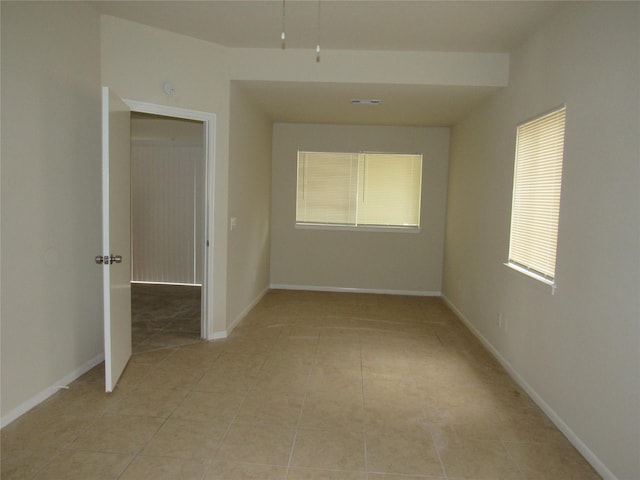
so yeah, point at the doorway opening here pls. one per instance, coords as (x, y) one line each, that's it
(178, 299)
(167, 230)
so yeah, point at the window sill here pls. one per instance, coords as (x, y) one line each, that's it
(544, 281)
(351, 228)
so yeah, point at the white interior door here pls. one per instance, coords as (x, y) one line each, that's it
(116, 235)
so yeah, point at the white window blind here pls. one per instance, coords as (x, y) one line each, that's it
(536, 194)
(327, 188)
(359, 189)
(390, 189)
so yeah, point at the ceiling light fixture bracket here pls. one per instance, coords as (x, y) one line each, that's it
(283, 44)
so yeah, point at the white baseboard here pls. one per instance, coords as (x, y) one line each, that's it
(315, 288)
(225, 333)
(40, 397)
(219, 335)
(246, 311)
(586, 452)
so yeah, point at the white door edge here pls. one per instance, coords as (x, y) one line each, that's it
(106, 248)
(115, 235)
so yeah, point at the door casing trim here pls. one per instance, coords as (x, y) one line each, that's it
(207, 329)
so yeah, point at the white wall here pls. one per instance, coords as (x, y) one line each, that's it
(473, 69)
(51, 298)
(578, 350)
(382, 261)
(136, 61)
(249, 204)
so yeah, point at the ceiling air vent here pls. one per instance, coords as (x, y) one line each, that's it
(365, 102)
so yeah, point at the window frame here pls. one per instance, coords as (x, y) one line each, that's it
(551, 162)
(360, 227)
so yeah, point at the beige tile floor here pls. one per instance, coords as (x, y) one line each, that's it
(309, 386)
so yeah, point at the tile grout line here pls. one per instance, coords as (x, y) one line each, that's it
(67, 448)
(190, 389)
(156, 432)
(426, 416)
(511, 459)
(304, 400)
(364, 412)
(233, 420)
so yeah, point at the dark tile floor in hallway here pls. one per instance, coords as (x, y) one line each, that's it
(164, 316)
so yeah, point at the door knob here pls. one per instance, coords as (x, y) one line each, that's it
(108, 260)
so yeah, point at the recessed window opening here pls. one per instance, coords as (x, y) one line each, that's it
(378, 190)
(536, 195)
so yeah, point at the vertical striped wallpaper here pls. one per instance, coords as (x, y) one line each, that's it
(166, 212)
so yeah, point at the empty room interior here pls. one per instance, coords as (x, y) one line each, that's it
(394, 337)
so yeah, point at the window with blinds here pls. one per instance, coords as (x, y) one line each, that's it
(536, 195)
(359, 189)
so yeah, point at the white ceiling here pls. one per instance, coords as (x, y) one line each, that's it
(446, 26)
